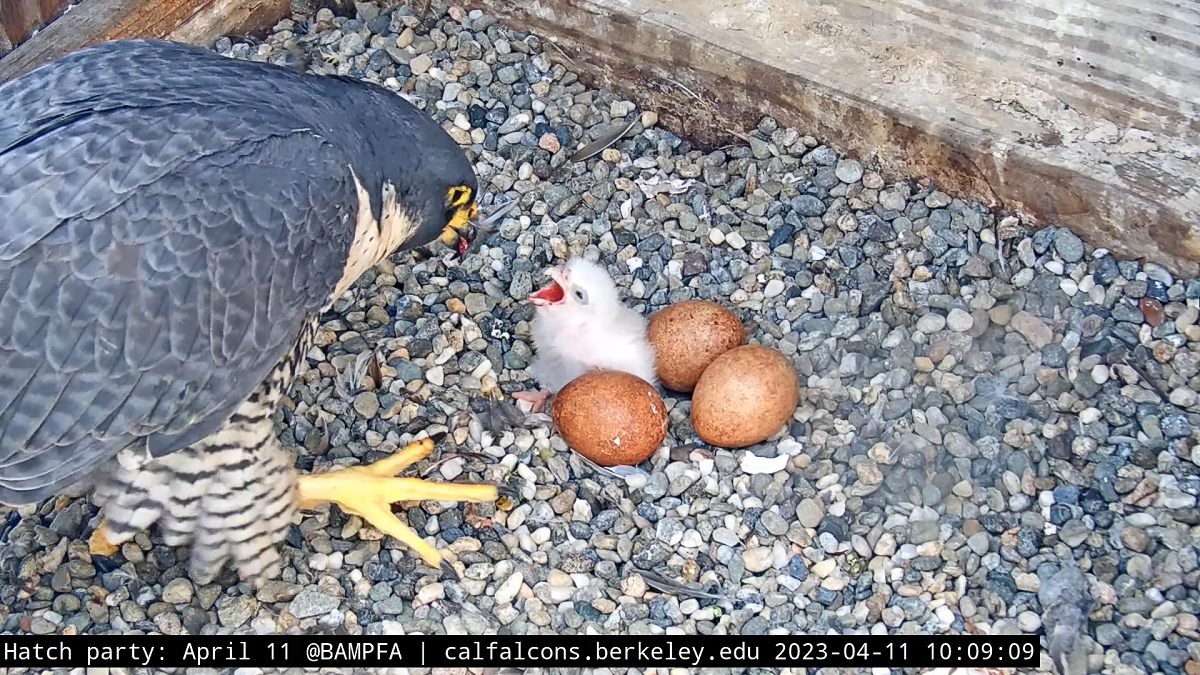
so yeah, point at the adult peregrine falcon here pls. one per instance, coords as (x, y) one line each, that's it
(172, 225)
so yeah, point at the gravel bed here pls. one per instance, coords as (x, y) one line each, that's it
(980, 400)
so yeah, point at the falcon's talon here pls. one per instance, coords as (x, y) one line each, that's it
(98, 543)
(449, 570)
(368, 491)
(509, 491)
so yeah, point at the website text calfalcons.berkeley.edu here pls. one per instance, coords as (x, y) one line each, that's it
(491, 651)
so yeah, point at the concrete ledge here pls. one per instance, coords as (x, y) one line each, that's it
(1086, 116)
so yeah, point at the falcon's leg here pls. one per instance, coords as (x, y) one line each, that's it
(230, 497)
(369, 491)
(537, 398)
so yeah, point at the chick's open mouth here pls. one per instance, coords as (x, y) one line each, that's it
(551, 294)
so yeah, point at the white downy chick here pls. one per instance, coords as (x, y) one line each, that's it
(581, 325)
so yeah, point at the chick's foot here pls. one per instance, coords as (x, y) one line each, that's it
(369, 491)
(536, 398)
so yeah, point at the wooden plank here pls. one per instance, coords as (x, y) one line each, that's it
(20, 18)
(230, 17)
(1082, 114)
(196, 21)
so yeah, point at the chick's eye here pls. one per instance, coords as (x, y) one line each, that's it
(581, 295)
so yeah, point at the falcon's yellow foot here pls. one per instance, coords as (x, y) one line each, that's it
(98, 543)
(369, 491)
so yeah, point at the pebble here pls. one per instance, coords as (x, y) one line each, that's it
(959, 320)
(312, 602)
(964, 423)
(809, 513)
(430, 593)
(757, 559)
(849, 171)
(1032, 328)
(508, 590)
(177, 592)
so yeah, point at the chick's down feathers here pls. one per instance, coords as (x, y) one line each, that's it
(582, 325)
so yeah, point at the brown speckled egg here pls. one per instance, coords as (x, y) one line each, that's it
(611, 417)
(687, 336)
(744, 396)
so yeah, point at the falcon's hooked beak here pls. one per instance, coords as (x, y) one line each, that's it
(464, 233)
(555, 292)
(461, 211)
(460, 231)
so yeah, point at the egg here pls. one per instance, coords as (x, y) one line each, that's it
(744, 396)
(610, 416)
(687, 336)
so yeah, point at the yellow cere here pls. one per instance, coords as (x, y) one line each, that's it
(461, 200)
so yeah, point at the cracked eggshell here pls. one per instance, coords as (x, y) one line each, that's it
(744, 397)
(687, 336)
(611, 417)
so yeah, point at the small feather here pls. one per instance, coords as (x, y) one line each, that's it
(499, 213)
(374, 371)
(349, 381)
(597, 146)
(666, 585)
(499, 416)
(317, 442)
(627, 471)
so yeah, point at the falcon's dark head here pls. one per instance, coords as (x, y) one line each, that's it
(437, 190)
(434, 184)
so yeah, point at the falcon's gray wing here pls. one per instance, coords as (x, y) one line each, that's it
(157, 258)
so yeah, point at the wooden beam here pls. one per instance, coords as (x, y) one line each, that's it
(195, 21)
(230, 17)
(20, 18)
(1085, 115)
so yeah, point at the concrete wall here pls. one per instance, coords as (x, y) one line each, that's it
(1083, 113)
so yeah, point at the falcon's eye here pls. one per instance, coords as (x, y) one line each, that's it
(581, 296)
(459, 196)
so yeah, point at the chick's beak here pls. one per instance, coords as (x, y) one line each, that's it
(554, 292)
